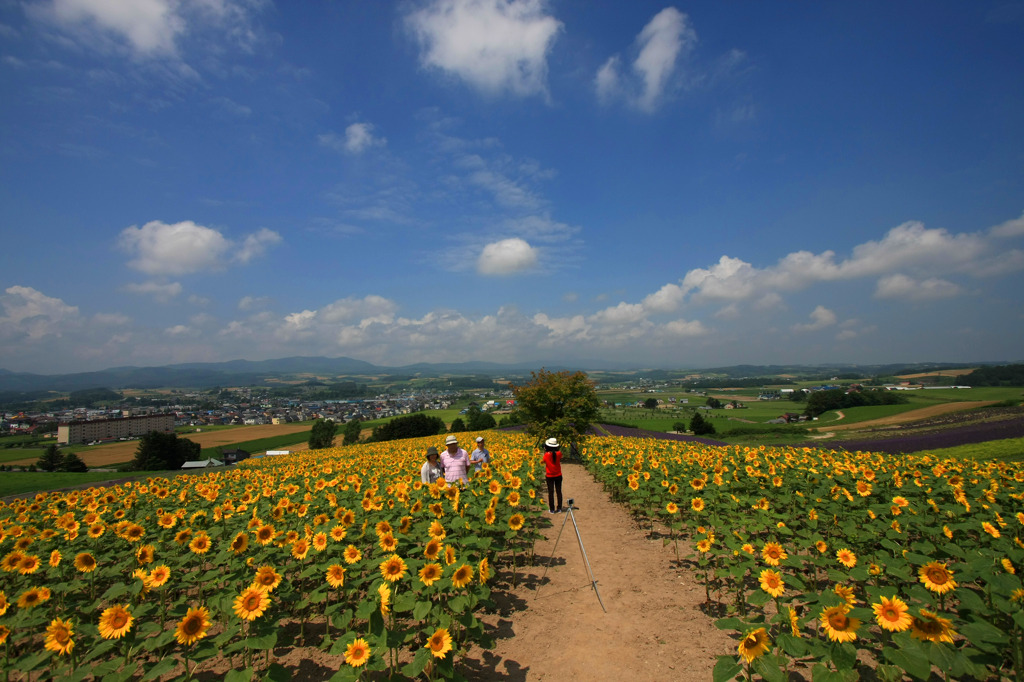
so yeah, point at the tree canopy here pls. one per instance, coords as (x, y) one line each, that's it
(322, 434)
(158, 451)
(411, 426)
(478, 420)
(562, 405)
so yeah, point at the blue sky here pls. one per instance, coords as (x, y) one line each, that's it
(683, 185)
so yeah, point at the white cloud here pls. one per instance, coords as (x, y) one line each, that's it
(161, 291)
(821, 317)
(496, 46)
(506, 257)
(111, 319)
(909, 250)
(686, 329)
(1011, 228)
(906, 288)
(666, 299)
(253, 302)
(658, 48)
(148, 28)
(181, 248)
(30, 314)
(357, 139)
(179, 330)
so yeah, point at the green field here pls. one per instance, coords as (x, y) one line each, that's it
(1008, 449)
(19, 483)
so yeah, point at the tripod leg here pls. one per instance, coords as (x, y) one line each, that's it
(548, 565)
(590, 573)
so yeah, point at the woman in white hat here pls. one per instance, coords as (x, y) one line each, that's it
(455, 461)
(553, 473)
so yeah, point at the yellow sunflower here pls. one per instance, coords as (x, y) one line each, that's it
(697, 504)
(463, 574)
(385, 599)
(393, 568)
(846, 557)
(388, 543)
(115, 622)
(931, 627)
(892, 614)
(29, 564)
(430, 573)
(335, 575)
(240, 542)
(251, 603)
(440, 643)
(937, 577)
(773, 553)
(352, 554)
(672, 508)
(265, 534)
(300, 548)
(266, 578)
(754, 644)
(58, 637)
(200, 543)
(432, 549)
(357, 653)
(838, 626)
(338, 533)
(484, 571)
(193, 626)
(320, 542)
(515, 522)
(33, 596)
(85, 562)
(772, 583)
(159, 576)
(4, 604)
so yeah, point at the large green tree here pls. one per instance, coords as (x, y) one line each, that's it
(158, 451)
(478, 420)
(410, 426)
(559, 405)
(353, 430)
(51, 459)
(322, 434)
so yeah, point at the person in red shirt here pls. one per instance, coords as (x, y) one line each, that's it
(553, 473)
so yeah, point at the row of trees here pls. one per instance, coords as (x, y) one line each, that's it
(53, 460)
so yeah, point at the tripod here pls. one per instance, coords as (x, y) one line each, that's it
(593, 580)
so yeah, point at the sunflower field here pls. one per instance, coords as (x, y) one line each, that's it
(830, 563)
(342, 549)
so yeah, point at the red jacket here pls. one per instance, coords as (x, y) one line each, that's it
(553, 463)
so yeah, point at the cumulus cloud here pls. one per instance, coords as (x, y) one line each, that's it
(253, 302)
(147, 28)
(658, 48)
(161, 291)
(496, 46)
(357, 139)
(31, 314)
(506, 257)
(821, 317)
(907, 288)
(1011, 228)
(158, 248)
(906, 259)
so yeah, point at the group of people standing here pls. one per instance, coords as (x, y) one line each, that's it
(454, 462)
(454, 465)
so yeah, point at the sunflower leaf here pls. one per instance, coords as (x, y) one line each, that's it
(727, 668)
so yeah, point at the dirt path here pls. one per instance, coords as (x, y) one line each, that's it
(911, 416)
(556, 629)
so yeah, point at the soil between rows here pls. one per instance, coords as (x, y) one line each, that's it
(552, 626)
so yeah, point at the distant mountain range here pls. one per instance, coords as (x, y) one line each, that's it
(256, 372)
